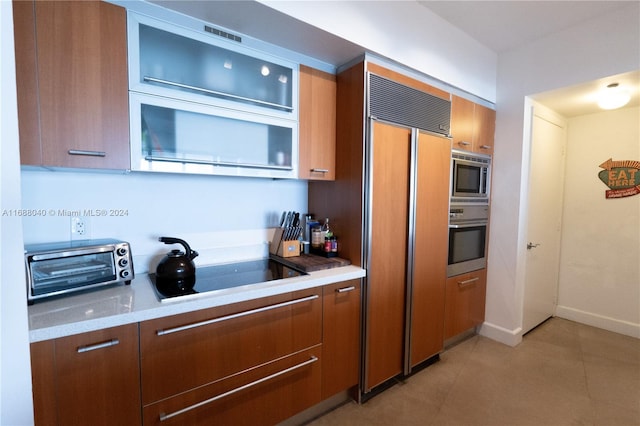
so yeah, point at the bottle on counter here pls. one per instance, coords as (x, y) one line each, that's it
(317, 239)
(326, 230)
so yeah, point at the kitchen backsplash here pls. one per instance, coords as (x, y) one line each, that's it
(224, 218)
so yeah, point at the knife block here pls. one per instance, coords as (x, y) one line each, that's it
(283, 248)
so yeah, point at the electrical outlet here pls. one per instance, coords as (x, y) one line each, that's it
(79, 228)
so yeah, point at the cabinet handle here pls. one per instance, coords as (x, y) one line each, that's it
(88, 153)
(232, 316)
(345, 289)
(164, 417)
(319, 170)
(467, 283)
(485, 146)
(215, 93)
(88, 348)
(214, 163)
(464, 143)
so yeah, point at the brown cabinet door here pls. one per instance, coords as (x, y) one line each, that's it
(90, 378)
(462, 124)
(386, 278)
(43, 378)
(484, 129)
(430, 247)
(465, 302)
(472, 126)
(317, 147)
(186, 351)
(80, 88)
(340, 337)
(265, 395)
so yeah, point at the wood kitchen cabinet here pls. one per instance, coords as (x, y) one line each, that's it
(472, 126)
(465, 302)
(71, 74)
(255, 362)
(317, 128)
(89, 378)
(340, 337)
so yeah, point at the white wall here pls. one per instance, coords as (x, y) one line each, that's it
(599, 271)
(594, 49)
(407, 33)
(15, 374)
(215, 214)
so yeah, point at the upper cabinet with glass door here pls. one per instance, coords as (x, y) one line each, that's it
(238, 105)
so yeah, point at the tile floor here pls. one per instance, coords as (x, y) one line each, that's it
(563, 373)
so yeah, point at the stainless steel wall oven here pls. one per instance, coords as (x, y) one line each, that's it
(467, 238)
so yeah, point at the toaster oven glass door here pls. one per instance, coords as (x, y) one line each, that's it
(63, 273)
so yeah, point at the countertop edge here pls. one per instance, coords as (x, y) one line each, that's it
(145, 305)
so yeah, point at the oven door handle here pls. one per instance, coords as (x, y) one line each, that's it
(467, 225)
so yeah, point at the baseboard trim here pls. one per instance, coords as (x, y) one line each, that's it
(501, 334)
(599, 321)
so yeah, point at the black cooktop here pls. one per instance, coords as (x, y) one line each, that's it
(219, 277)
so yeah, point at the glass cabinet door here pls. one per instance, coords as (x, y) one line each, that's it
(196, 65)
(174, 136)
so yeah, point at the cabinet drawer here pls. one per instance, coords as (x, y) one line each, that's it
(185, 351)
(465, 302)
(263, 395)
(88, 379)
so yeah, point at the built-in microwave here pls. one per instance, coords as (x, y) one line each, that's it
(471, 177)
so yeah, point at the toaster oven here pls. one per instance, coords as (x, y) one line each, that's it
(55, 269)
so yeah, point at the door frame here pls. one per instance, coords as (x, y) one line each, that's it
(531, 108)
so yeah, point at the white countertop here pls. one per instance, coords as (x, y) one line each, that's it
(125, 304)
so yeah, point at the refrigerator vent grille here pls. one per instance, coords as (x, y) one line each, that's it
(404, 105)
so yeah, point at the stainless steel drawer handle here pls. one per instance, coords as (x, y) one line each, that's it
(319, 170)
(215, 92)
(468, 282)
(464, 143)
(232, 316)
(345, 289)
(164, 417)
(485, 146)
(102, 345)
(87, 153)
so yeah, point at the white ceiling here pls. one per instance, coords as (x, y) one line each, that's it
(504, 25)
(499, 25)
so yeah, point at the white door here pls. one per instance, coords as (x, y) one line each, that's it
(545, 199)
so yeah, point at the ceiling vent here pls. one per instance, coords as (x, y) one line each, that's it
(222, 34)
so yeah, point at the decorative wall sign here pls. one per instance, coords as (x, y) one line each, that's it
(622, 178)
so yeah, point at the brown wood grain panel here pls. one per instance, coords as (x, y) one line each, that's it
(430, 247)
(266, 403)
(102, 386)
(24, 27)
(180, 361)
(462, 124)
(386, 278)
(465, 302)
(406, 80)
(44, 383)
(317, 128)
(82, 81)
(484, 129)
(340, 337)
(341, 201)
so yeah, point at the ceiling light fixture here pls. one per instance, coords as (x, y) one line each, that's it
(265, 70)
(613, 97)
